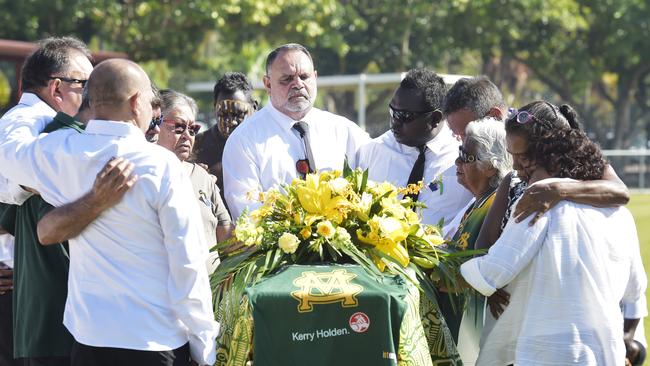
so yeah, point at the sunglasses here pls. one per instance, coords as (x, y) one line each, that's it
(405, 116)
(523, 117)
(82, 82)
(179, 128)
(464, 157)
(156, 121)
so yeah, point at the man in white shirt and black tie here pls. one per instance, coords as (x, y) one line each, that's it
(138, 290)
(288, 137)
(419, 147)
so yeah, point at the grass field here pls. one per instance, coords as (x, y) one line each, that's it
(640, 207)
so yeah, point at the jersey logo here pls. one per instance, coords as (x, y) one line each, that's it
(359, 322)
(326, 288)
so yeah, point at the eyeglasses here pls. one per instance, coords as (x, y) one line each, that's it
(522, 117)
(464, 157)
(156, 121)
(70, 80)
(406, 116)
(179, 128)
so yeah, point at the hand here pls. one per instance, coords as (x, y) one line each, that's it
(631, 350)
(6, 280)
(497, 302)
(111, 183)
(204, 166)
(537, 199)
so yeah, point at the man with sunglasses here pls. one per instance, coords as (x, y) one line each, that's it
(419, 147)
(288, 138)
(233, 102)
(52, 78)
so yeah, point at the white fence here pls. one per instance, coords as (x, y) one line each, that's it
(359, 82)
(631, 166)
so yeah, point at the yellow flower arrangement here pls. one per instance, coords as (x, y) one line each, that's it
(334, 216)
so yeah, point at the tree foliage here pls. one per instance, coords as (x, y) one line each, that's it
(591, 54)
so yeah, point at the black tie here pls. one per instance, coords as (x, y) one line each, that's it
(417, 173)
(303, 130)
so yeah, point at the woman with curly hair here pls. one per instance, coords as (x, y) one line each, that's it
(568, 272)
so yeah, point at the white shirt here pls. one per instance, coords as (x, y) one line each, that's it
(262, 153)
(637, 310)
(388, 160)
(567, 275)
(7, 249)
(32, 110)
(137, 273)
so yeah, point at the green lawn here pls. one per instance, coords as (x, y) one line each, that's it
(640, 207)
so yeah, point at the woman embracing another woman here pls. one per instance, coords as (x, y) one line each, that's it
(567, 273)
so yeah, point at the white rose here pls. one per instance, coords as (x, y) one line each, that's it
(339, 185)
(288, 243)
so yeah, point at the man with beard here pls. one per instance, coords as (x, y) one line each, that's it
(288, 138)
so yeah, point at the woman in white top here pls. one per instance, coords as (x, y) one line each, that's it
(567, 273)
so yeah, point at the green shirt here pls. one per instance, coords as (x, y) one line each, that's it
(40, 276)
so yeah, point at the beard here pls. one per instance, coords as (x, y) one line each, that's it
(297, 104)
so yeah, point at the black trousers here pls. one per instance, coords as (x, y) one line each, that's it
(6, 330)
(83, 355)
(43, 361)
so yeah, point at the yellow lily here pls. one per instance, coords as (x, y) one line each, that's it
(315, 196)
(386, 234)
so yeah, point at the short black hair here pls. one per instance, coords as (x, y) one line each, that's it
(429, 84)
(51, 57)
(284, 48)
(230, 83)
(477, 95)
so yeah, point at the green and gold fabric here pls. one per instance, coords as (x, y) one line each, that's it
(452, 307)
(328, 315)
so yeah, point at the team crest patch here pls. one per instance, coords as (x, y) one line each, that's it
(436, 185)
(326, 288)
(359, 322)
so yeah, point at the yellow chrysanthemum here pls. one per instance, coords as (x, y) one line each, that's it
(305, 232)
(325, 229)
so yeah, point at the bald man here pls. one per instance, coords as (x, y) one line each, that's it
(138, 290)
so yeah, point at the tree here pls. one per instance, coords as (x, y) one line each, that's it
(593, 54)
